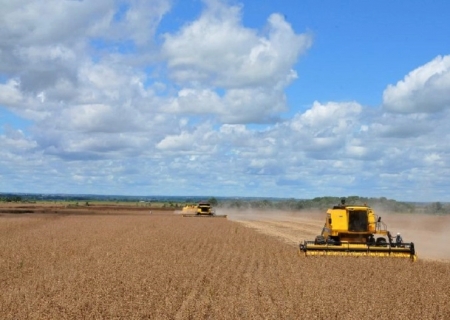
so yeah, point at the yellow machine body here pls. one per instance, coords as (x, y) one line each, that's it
(352, 223)
(203, 209)
(189, 209)
(351, 231)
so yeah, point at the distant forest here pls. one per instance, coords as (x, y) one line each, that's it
(322, 203)
(319, 203)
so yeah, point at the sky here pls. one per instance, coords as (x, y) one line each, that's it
(290, 98)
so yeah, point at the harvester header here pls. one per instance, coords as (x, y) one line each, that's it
(355, 230)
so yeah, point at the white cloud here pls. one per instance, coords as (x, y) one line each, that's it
(251, 67)
(424, 90)
(141, 20)
(202, 140)
(10, 94)
(332, 117)
(195, 101)
(326, 128)
(104, 117)
(252, 105)
(401, 126)
(247, 105)
(181, 142)
(217, 50)
(356, 150)
(433, 159)
(31, 23)
(15, 141)
(97, 118)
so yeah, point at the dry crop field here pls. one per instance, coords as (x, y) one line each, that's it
(125, 263)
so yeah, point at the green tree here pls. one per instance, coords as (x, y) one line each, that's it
(213, 201)
(436, 207)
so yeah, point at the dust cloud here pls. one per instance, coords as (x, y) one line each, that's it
(429, 233)
(278, 215)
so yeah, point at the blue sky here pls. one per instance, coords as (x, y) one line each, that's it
(226, 98)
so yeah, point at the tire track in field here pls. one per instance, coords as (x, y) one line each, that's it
(201, 288)
(193, 296)
(291, 232)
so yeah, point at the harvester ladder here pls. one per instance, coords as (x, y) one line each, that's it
(380, 225)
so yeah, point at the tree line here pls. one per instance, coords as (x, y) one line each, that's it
(318, 203)
(323, 203)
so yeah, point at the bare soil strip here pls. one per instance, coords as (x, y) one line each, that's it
(290, 232)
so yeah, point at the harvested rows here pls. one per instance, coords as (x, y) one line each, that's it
(161, 266)
(288, 231)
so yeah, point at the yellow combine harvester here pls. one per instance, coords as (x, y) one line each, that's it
(351, 231)
(189, 209)
(203, 209)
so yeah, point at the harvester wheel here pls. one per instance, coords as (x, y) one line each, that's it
(320, 240)
(381, 242)
(333, 241)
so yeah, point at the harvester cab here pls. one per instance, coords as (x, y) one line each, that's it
(204, 208)
(351, 230)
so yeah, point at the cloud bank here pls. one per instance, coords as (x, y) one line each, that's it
(115, 106)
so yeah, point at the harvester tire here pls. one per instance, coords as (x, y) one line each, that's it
(381, 242)
(332, 241)
(320, 240)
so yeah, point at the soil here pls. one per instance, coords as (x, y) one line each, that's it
(111, 262)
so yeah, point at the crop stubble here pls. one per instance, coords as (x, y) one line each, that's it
(161, 266)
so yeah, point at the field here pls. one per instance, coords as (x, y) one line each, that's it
(105, 262)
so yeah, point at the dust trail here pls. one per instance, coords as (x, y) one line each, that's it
(291, 227)
(280, 215)
(430, 233)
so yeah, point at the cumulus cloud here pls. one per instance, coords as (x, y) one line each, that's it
(424, 90)
(115, 107)
(247, 105)
(216, 49)
(402, 126)
(252, 67)
(195, 101)
(15, 141)
(326, 127)
(252, 105)
(332, 115)
(10, 94)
